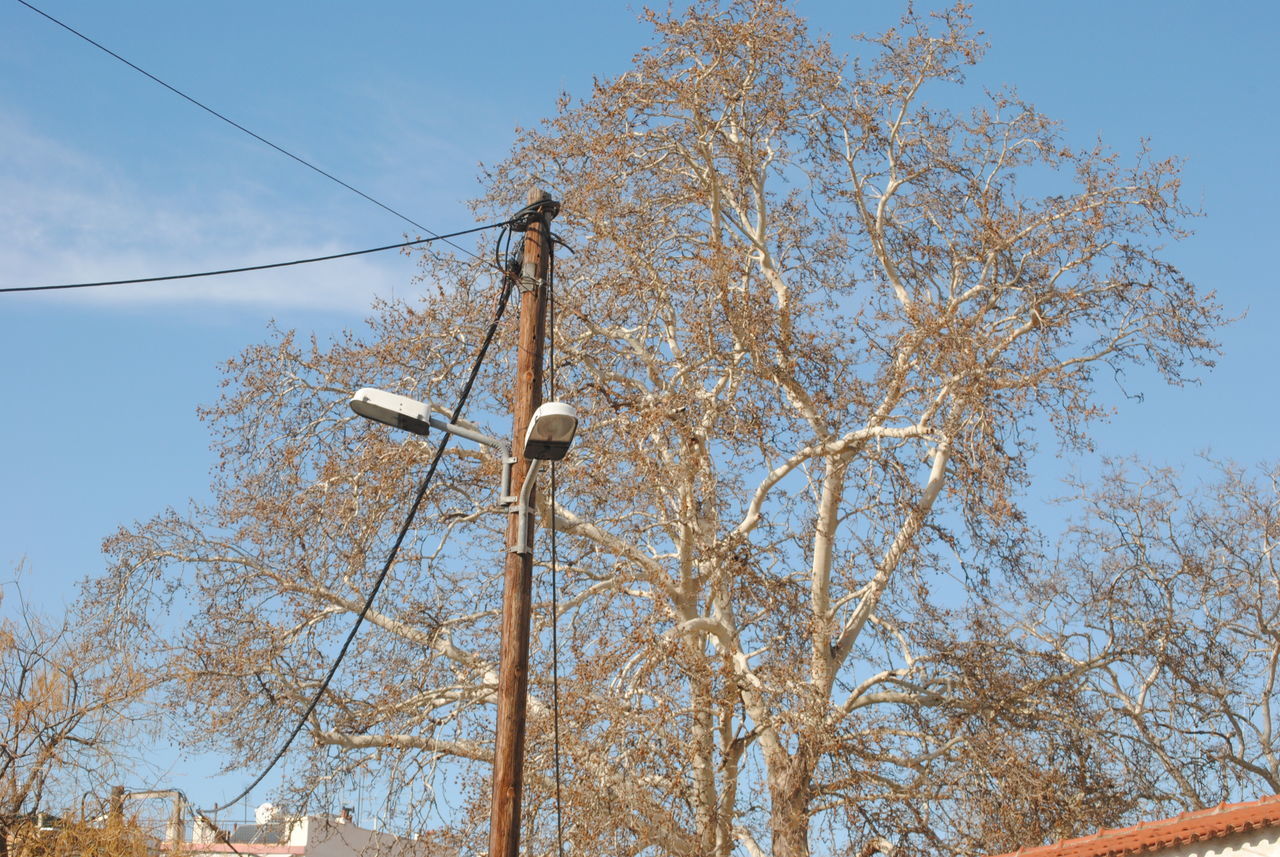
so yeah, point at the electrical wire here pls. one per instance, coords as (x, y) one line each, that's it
(504, 295)
(247, 268)
(555, 588)
(237, 125)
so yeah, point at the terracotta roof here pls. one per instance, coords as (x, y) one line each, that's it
(1147, 836)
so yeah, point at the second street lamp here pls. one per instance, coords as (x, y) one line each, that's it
(413, 416)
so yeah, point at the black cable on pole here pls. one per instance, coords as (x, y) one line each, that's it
(247, 268)
(505, 293)
(555, 596)
(237, 125)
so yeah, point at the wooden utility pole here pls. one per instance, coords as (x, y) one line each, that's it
(517, 586)
(115, 809)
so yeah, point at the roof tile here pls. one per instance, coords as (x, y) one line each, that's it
(1148, 836)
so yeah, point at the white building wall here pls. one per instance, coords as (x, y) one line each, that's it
(320, 836)
(1257, 843)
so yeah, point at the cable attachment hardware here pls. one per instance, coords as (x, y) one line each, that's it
(542, 209)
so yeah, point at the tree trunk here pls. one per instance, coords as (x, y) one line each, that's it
(789, 790)
(702, 743)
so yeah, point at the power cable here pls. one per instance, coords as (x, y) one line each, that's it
(250, 267)
(237, 125)
(505, 294)
(555, 588)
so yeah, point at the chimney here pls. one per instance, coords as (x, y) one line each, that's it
(203, 833)
(345, 817)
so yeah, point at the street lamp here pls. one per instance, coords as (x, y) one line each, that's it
(550, 434)
(413, 416)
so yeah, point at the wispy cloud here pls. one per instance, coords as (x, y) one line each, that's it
(66, 217)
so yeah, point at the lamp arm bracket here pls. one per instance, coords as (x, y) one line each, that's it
(508, 462)
(472, 434)
(521, 508)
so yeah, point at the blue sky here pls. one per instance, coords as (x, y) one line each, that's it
(103, 174)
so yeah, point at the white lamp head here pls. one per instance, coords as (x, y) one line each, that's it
(393, 410)
(551, 431)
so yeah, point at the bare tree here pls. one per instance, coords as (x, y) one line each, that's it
(76, 837)
(66, 717)
(1175, 578)
(808, 316)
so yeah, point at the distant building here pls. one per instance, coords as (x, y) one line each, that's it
(1249, 829)
(305, 836)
